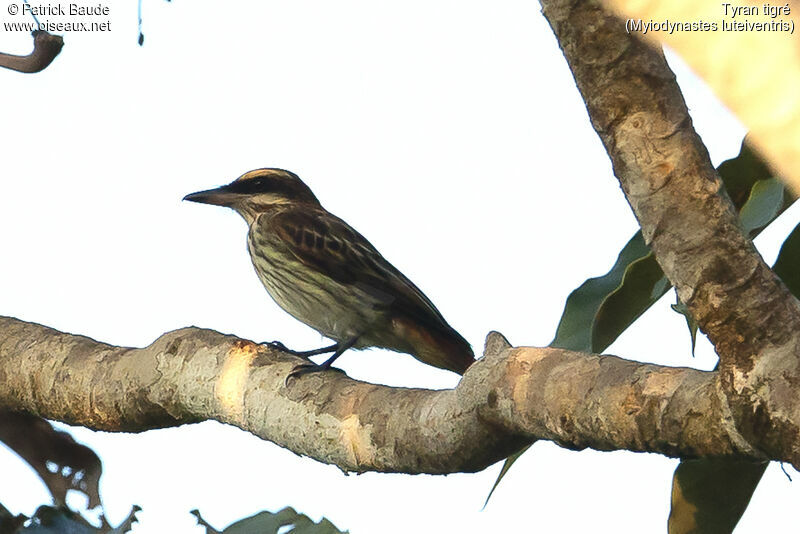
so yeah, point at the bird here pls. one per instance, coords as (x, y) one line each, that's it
(325, 274)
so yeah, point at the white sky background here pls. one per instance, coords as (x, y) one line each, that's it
(449, 133)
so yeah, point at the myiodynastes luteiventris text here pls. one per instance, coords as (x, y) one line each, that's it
(327, 275)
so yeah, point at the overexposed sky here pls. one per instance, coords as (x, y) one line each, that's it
(449, 133)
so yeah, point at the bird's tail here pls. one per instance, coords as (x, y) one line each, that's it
(441, 347)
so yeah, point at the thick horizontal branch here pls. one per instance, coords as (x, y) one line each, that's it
(510, 397)
(638, 111)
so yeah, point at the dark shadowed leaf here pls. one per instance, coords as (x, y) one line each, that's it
(506, 466)
(680, 307)
(575, 330)
(787, 266)
(49, 520)
(271, 523)
(740, 173)
(61, 463)
(60, 520)
(699, 508)
(642, 285)
(10, 523)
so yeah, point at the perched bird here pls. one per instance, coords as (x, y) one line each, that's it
(327, 275)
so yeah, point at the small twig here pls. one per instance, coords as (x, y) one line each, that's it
(141, 35)
(785, 472)
(38, 24)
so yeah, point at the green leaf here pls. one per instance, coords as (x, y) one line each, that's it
(709, 495)
(575, 330)
(602, 308)
(763, 205)
(271, 523)
(506, 466)
(642, 285)
(609, 303)
(681, 308)
(598, 311)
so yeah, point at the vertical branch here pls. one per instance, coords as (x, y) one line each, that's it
(755, 72)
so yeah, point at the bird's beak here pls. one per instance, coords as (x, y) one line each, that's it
(221, 196)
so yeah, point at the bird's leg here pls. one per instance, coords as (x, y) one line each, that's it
(305, 368)
(302, 353)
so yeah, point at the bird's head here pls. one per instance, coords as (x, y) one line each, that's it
(258, 191)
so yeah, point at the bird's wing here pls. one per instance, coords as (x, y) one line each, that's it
(330, 246)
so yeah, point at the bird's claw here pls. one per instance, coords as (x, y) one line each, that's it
(306, 368)
(277, 345)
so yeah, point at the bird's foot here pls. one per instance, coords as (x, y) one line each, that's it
(277, 345)
(306, 368)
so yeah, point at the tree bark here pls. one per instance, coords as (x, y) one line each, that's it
(755, 73)
(748, 314)
(512, 396)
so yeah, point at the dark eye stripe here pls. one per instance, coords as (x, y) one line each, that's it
(284, 184)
